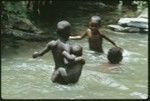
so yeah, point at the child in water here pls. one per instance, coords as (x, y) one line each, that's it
(74, 63)
(57, 47)
(115, 55)
(95, 38)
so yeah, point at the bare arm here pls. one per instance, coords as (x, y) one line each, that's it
(48, 47)
(68, 56)
(78, 36)
(80, 60)
(109, 40)
(73, 58)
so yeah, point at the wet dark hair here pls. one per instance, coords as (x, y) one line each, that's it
(76, 50)
(115, 55)
(63, 29)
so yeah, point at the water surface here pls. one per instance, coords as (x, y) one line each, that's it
(27, 78)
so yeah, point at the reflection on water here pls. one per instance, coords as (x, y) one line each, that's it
(24, 77)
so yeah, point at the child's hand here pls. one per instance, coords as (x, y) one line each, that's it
(35, 55)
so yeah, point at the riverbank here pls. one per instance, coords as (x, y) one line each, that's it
(132, 24)
(17, 27)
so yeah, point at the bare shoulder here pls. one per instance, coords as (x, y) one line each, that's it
(88, 30)
(52, 43)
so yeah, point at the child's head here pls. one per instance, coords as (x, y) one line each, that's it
(115, 55)
(95, 21)
(63, 29)
(76, 50)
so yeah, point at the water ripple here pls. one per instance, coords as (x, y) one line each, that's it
(140, 95)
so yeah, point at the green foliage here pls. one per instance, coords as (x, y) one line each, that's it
(12, 11)
(15, 7)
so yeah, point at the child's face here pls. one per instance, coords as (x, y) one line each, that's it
(94, 24)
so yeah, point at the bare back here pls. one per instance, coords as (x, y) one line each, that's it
(57, 53)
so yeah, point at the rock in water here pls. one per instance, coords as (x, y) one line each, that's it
(119, 28)
(134, 22)
(26, 25)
